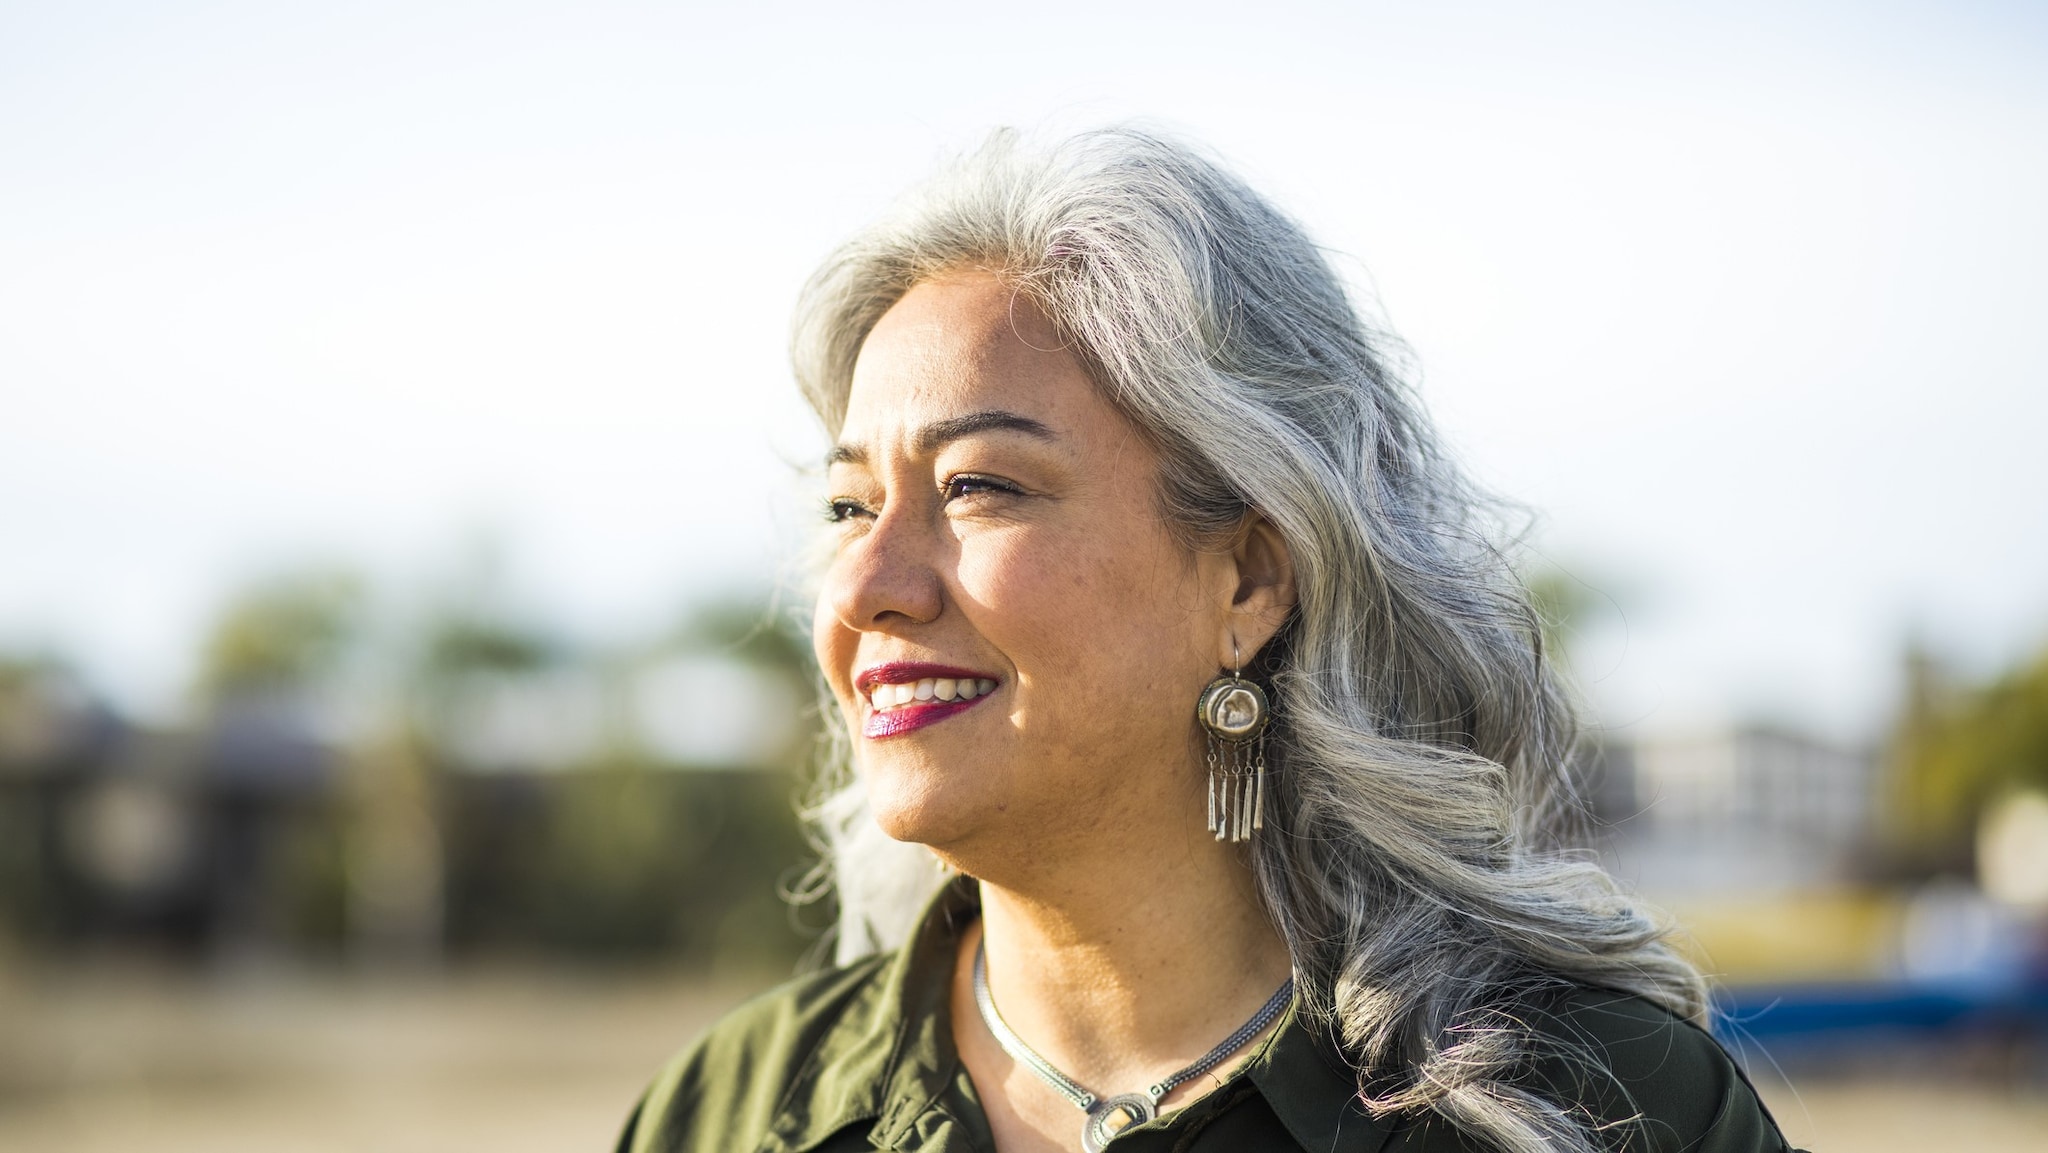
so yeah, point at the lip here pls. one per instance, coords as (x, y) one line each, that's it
(917, 714)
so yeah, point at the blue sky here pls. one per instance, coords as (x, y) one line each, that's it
(1746, 301)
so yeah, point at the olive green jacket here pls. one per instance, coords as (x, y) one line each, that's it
(861, 1057)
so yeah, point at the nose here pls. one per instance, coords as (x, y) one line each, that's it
(884, 578)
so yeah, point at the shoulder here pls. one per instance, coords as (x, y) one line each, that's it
(1646, 1073)
(726, 1090)
(1643, 1079)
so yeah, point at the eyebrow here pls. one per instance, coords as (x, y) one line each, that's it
(940, 433)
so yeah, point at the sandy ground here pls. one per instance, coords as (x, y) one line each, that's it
(1893, 1116)
(505, 1061)
(511, 1061)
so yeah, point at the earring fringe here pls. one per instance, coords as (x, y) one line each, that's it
(1237, 789)
(1259, 796)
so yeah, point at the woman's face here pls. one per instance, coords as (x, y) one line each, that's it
(1001, 563)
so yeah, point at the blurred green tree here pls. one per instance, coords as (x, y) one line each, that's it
(763, 631)
(413, 877)
(1562, 603)
(270, 679)
(1957, 749)
(626, 854)
(290, 631)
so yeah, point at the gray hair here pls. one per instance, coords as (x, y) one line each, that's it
(1416, 855)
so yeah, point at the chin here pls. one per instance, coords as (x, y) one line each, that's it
(917, 805)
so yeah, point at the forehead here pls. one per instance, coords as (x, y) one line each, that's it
(962, 343)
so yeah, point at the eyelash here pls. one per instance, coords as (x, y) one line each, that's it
(985, 483)
(839, 509)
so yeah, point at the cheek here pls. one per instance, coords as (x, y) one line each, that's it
(834, 644)
(1038, 596)
(1090, 618)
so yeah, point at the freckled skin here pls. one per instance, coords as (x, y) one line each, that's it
(1071, 592)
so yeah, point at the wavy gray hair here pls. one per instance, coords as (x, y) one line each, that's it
(1416, 856)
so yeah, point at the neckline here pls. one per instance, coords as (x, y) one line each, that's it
(893, 1061)
(1104, 1116)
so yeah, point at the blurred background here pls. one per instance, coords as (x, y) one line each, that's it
(402, 693)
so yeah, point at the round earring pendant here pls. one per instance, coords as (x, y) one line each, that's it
(1233, 709)
(1114, 1115)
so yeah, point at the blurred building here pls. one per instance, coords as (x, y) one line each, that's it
(1754, 810)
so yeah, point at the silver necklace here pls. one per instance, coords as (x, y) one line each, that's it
(1108, 1116)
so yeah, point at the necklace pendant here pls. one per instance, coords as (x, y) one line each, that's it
(1113, 1115)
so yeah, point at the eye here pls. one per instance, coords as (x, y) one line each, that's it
(961, 485)
(840, 509)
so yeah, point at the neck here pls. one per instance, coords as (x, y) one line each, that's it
(1122, 971)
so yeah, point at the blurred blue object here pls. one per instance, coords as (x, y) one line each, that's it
(1846, 1010)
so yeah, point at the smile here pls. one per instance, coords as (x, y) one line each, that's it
(903, 696)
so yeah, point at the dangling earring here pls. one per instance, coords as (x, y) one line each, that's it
(1234, 712)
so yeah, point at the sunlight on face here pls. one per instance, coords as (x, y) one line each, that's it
(1015, 638)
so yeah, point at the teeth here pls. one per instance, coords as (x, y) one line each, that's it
(885, 697)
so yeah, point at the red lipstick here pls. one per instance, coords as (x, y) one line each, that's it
(915, 714)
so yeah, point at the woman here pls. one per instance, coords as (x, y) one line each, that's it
(1156, 618)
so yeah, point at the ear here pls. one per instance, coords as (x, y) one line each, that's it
(1264, 592)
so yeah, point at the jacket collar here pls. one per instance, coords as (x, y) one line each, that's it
(1313, 1090)
(890, 1057)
